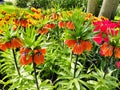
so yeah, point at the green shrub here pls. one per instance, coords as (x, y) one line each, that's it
(22, 3)
(39, 3)
(8, 3)
(67, 4)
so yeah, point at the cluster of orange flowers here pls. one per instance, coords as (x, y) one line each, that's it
(27, 56)
(68, 25)
(79, 46)
(108, 50)
(46, 28)
(13, 43)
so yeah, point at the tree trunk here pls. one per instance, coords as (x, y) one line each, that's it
(108, 8)
(92, 7)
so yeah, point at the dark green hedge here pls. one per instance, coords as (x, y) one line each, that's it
(67, 4)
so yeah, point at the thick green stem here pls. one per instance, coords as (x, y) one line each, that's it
(75, 66)
(15, 60)
(35, 73)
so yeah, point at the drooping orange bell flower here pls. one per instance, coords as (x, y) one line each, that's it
(4, 46)
(78, 48)
(38, 56)
(106, 50)
(23, 23)
(70, 25)
(44, 30)
(87, 45)
(117, 52)
(25, 58)
(70, 43)
(61, 24)
(16, 43)
(54, 16)
(13, 43)
(50, 25)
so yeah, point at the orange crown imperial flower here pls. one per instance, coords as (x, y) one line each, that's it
(78, 47)
(70, 43)
(13, 43)
(44, 30)
(26, 57)
(106, 50)
(81, 46)
(38, 56)
(61, 24)
(117, 52)
(70, 25)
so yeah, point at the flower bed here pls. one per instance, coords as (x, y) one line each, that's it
(58, 49)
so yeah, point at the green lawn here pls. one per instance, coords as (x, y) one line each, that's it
(8, 8)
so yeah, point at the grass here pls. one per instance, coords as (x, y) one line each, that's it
(8, 8)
